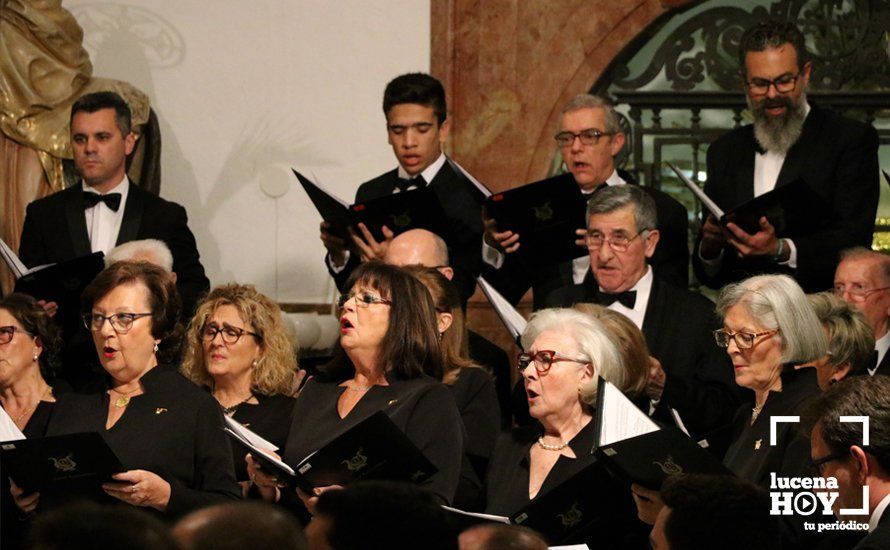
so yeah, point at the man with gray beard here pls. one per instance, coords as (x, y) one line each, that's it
(790, 139)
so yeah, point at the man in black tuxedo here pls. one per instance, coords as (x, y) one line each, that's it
(589, 136)
(790, 139)
(838, 451)
(417, 126)
(862, 279)
(106, 210)
(691, 373)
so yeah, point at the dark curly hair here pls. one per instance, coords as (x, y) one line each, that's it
(35, 320)
(772, 34)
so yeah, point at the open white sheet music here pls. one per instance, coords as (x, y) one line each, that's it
(621, 418)
(488, 517)
(484, 190)
(255, 443)
(698, 192)
(14, 263)
(8, 430)
(512, 319)
(570, 547)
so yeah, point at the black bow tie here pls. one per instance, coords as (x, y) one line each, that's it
(406, 185)
(627, 298)
(111, 200)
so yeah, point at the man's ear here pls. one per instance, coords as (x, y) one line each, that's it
(617, 143)
(129, 143)
(444, 130)
(651, 242)
(860, 458)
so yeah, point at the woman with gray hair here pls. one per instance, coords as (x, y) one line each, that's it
(769, 328)
(566, 351)
(851, 341)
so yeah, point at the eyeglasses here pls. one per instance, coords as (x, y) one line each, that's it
(543, 360)
(362, 299)
(230, 334)
(8, 332)
(817, 463)
(744, 340)
(783, 84)
(618, 243)
(120, 322)
(590, 136)
(858, 295)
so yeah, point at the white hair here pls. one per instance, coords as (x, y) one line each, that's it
(594, 344)
(152, 251)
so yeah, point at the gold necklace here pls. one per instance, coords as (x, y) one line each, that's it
(34, 407)
(124, 398)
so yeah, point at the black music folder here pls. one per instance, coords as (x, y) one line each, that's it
(416, 209)
(69, 462)
(546, 215)
(375, 448)
(637, 450)
(793, 209)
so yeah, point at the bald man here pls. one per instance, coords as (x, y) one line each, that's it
(422, 247)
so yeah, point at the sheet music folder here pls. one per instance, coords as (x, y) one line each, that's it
(636, 450)
(72, 461)
(546, 214)
(374, 448)
(794, 209)
(415, 209)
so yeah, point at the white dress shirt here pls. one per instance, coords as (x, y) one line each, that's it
(428, 174)
(881, 346)
(103, 223)
(878, 512)
(643, 289)
(580, 265)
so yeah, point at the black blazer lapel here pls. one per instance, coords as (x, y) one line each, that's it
(744, 168)
(792, 168)
(132, 215)
(653, 323)
(77, 224)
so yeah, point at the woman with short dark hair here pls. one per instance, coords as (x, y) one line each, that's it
(388, 360)
(166, 431)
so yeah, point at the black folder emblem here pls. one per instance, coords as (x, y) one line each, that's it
(571, 517)
(417, 476)
(402, 220)
(669, 467)
(544, 212)
(357, 462)
(64, 464)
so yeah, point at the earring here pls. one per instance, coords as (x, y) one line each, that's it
(35, 356)
(254, 363)
(156, 347)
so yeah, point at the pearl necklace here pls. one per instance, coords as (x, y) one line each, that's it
(562, 445)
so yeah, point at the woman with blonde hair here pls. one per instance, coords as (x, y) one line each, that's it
(471, 386)
(238, 349)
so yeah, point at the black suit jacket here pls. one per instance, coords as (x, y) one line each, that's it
(55, 231)
(462, 203)
(835, 156)
(670, 260)
(879, 539)
(677, 326)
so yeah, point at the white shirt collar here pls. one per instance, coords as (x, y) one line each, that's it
(643, 288)
(613, 179)
(881, 346)
(121, 188)
(429, 172)
(878, 512)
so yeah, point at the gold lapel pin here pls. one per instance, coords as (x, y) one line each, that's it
(160, 410)
(757, 444)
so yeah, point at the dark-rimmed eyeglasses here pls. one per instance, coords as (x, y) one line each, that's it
(744, 340)
(816, 465)
(230, 335)
(363, 298)
(590, 136)
(543, 360)
(783, 84)
(8, 332)
(120, 322)
(857, 295)
(618, 243)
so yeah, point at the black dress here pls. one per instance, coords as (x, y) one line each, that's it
(270, 418)
(12, 525)
(477, 403)
(421, 407)
(174, 429)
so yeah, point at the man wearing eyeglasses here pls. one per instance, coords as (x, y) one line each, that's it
(790, 139)
(589, 136)
(691, 373)
(838, 451)
(862, 279)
